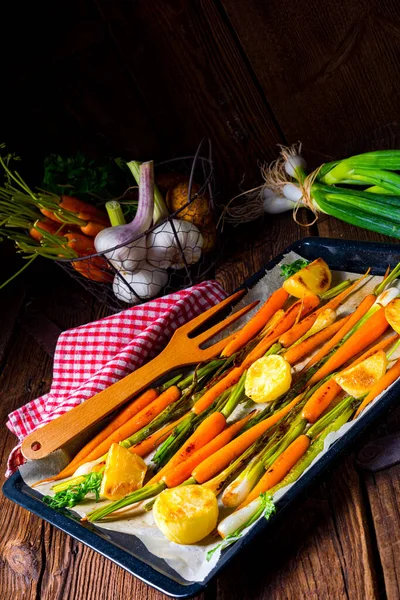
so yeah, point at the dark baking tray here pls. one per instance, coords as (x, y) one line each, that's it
(126, 550)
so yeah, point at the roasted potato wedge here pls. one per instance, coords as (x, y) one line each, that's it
(315, 278)
(358, 380)
(124, 473)
(268, 378)
(187, 514)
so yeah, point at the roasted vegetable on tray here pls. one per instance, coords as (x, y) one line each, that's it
(203, 439)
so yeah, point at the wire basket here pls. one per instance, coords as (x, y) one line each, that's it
(178, 252)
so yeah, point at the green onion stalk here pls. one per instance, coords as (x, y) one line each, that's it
(362, 190)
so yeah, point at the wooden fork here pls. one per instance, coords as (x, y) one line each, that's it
(181, 351)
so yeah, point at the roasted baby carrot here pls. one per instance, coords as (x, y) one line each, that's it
(204, 433)
(295, 354)
(139, 420)
(364, 306)
(324, 395)
(297, 311)
(217, 462)
(257, 322)
(125, 415)
(216, 390)
(370, 331)
(155, 439)
(298, 330)
(320, 400)
(390, 376)
(182, 471)
(280, 468)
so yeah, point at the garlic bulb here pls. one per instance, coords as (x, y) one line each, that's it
(165, 247)
(147, 283)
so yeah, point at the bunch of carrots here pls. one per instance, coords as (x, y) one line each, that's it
(190, 420)
(42, 224)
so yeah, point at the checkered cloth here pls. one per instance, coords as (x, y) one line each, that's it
(92, 357)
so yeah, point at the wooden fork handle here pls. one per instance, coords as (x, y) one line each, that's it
(62, 430)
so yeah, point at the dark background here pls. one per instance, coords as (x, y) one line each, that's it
(148, 79)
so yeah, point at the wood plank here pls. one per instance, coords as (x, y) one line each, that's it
(192, 88)
(316, 551)
(321, 70)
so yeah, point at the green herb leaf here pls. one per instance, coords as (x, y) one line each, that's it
(74, 494)
(292, 268)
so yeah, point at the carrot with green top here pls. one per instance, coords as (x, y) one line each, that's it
(297, 311)
(135, 423)
(182, 471)
(223, 457)
(299, 351)
(204, 433)
(150, 443)
(361, 310)
(280, 468)
(324, 395)
(298, 330)
(390, 376)
(216, 390)
(369, 332)
(257, 322)
(125, 415)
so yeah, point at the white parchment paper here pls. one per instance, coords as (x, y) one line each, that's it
(190, 562)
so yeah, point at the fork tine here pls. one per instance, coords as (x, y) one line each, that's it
(200, 319)
(206, 335)
(216, 349)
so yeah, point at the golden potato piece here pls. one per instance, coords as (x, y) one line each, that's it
(358, 380)
(187, 514)
(124, 473)
(315, 278)
(197, 212)
(268, 378)
(392, 314)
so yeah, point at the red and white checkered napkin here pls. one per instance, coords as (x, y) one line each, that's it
(92, 357)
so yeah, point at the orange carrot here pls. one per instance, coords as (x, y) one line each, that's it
(390, 376)
(375, 348)
(320, 400)
(364, 306)
(216, 390)
(135, 423)
(210, 428)
(178, 474)
(369, 331)
(47, 225)
(295, 354)
(50, 215)
(92, 228)
(257, 322)
(298, 310)
(94, 268)
(222, 458)
(89, 212)
(155, 439)
(298, 330)
(272, 322)
(295, 333)
(280, 468)
(80, 243)
(125, 415)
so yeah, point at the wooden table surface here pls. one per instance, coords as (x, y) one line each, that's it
(341, 541)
